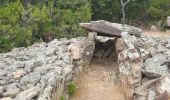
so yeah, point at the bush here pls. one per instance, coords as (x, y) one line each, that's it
(23, 24)
(71, 89)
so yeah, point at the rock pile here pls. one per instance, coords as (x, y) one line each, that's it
(144, 67)
(144, 61)
(155, 52)
(36, 72)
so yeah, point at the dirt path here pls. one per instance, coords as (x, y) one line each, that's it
(158, 33)
(97, 83)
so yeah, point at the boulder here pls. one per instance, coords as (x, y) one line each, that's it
(163, 85)
(105, 28)
(11, 90)
(28, 94)
(155, 66)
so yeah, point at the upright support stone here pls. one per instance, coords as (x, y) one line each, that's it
(130, 65)
(89, 47)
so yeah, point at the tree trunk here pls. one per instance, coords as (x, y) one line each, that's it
(123, 15)
(123, 4)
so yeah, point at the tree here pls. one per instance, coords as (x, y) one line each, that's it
(123, 4)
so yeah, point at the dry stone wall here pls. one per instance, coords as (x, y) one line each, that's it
(144, 67)
(38, 71)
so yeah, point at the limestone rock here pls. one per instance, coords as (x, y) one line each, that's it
(11, 90)
(31, 78)
(19, 73)
(92, 36)
(27, 94)
(88, 48)
(153, 67)
(7, 98)
(164, 85)
(105, 28)
(75, 50)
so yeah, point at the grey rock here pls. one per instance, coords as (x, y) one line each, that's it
(108, 29)
(67, 72)
(152, 51)
(46, 93)
(2, 89)
(31, 78)
(6, 98)
(50, 51)
(67, 58)
(161, 48)
(3, 82)
(155, 71)
(48, 68)
(92, 36)
(151, 95)
(18, 73)
(156, 60)
(11, 90)
(29, 65)
(28, 94)
(164, 85)
(18, 64)
(2, 73)
(155, 66)
(51, 60)
(54, 43)
(39, 62)
(151, 42)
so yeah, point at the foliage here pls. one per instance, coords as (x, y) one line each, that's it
(109, 10)
(24, 22)
(71, 88)
(62, 98)
(151, 11)
(158, 11)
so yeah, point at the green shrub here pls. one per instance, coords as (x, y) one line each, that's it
(22, 24)
(71, 88)
(62, 98)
